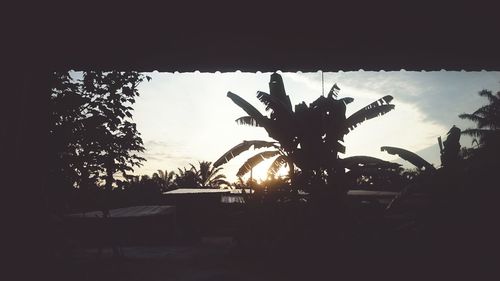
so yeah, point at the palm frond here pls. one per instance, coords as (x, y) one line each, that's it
(483, 110)
(255, 160)
(277, 164)
(477, 133)
(367, 113)
(213, 173)
(248, 120)
(218, 183)
(162, 174)
(193, 168)
(489, 95)
(481, 121)
(409, 156)
(218, 177)
(238, 149)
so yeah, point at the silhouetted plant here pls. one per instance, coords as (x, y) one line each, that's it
(439, 183)
(186, 178)
(242, 184)
(450, 152)
(482, 159)
(487, 132)
(272, 190)
(410, 174)
(487, 119)
(166, 179)
(309, 137)
(409, 156)
(256, 159)
(376, 177)
(92, 134)
(208, 176)
(203, 176)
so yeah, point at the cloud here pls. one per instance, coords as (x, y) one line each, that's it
(156, 143)
(437, 98)
(162, 156)
(440, 95)
(158, 150)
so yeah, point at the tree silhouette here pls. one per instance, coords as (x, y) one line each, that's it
(309, 137)
(208, 176)
(186, 178)
(92, 133)
(487, 119)
(203, 176)
(166, 179)
(482, 159)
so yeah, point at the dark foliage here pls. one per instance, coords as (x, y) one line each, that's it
(309, 137)
(92, 134)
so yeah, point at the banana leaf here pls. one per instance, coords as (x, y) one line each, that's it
(238, 149)
(409, 156)
(255, 160)
(367, 113)
(249, 109)
(355, 161)
(277, 164)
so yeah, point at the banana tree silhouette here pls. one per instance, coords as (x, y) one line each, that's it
(309, 137)
(451, 152)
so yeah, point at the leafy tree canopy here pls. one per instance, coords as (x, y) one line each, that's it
(92, 132)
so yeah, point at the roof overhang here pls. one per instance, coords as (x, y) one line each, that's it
(262, 38)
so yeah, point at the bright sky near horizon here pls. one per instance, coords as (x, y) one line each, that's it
(184, 118)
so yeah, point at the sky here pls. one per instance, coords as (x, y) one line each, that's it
(184, 118)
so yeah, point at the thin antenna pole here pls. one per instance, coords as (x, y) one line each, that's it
(322, 84)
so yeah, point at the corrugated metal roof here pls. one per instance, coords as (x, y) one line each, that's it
(197, 191)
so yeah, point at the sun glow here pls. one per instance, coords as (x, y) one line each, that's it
(259, 172)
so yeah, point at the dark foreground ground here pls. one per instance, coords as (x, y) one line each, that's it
(209, 259)
(223, 258)
(219, 258)
(371, 245)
